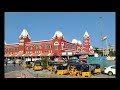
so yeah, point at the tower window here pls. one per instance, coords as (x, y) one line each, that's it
(56, 47)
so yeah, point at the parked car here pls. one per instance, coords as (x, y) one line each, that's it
(110, 70)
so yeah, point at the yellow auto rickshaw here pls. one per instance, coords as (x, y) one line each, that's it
(28, 64)
(96, 67)
(37, 65)
(75, 70)
(62, 69)
(50, 65)
(85, 70)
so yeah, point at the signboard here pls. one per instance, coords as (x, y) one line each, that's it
(96, 58)
(69, 54)
(64, 54)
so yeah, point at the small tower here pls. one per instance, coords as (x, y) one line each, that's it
(86, 42)
(58, 42)
(23, 38)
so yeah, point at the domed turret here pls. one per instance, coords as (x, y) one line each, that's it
(58, 34)
(79, 42)
(74, 41)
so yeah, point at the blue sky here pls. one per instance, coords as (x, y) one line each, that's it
(42, 26)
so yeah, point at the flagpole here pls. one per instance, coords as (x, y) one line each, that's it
(101, 34)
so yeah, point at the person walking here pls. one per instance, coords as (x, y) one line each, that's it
(6, 62)
(14, 63)
(19, 63)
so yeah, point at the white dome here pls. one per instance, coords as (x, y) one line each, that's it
(58, 34)
(74, 41)
(79, 42)
(91, 47)
(24, 33)
(5, 42)
(86, 34)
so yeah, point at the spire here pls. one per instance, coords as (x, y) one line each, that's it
(86, 34)
(24, 34)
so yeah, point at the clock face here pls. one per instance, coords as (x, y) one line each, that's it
(56, 43)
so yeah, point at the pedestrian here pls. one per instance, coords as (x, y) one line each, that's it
(6, 62)
(14, 63)
(19, 63)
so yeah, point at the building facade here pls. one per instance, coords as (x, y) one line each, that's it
(57, 46)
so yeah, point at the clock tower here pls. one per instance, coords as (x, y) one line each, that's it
(23, 39)
(86, 42)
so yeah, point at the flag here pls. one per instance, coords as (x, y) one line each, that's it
(104, 38)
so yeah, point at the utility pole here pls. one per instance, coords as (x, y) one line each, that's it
(101, 34)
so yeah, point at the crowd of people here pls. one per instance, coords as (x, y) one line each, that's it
(13, 62)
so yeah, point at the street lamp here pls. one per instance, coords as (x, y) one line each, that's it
(101, 33)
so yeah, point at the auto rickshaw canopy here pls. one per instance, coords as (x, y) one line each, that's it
(85, 67)
(96, 66)
(37, 63)
(62, 66)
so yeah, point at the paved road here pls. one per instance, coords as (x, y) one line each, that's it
(47, 74)
(10, 71)
(18, 74)
(10, 67)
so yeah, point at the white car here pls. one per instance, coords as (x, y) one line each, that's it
(111, 70)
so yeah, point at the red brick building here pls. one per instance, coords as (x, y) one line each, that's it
(57, 46)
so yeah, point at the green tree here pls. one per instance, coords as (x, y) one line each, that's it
(112, 53)
(99, 52)
(44, 62)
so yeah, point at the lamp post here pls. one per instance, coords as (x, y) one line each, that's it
(101, 34)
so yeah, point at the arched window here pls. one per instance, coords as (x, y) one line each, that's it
(45, 46)
(16, 49)
(50, 45)
(36, 47)
(40, 46)
(27, 48)
(30, 47)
